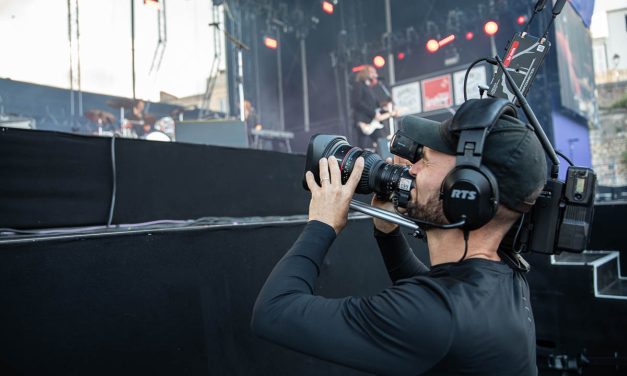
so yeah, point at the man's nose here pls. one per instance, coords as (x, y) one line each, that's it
(415, 168)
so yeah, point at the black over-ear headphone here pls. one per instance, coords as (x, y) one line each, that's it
(470, 191)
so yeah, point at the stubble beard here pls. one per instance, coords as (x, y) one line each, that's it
(430, 212)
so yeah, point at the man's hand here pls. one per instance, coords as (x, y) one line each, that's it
(330, 200)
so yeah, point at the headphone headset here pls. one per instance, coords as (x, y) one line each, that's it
(470, 191)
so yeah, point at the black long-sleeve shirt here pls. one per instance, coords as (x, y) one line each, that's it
(471, 318)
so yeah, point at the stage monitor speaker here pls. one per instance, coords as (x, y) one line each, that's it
(213, 132)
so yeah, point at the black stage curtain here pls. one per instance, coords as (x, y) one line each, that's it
(52, 179)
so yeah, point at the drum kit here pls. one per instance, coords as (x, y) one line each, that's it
(144, 126)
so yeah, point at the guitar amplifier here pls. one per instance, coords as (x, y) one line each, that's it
(213, 132)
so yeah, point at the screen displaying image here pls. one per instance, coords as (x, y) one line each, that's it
(575, 67)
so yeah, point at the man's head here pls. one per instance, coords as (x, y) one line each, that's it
(511, 152)
(368, 74)
(139, 105)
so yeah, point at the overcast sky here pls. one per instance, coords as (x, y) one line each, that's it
(35, 47)
(34, 44)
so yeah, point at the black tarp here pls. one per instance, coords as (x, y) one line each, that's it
(53, 179)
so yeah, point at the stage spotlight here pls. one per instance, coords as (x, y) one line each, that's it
(400, 55)
(358, 68)
(327, 7)
(446, 40)
(270, 42)
(432, 45)
(152, 3)
(491, 28)
(470, 35)
(521, 20)
(378, 61)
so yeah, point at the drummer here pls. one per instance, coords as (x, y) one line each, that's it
(137, 118)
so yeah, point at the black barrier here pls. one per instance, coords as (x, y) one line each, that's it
(53, 179)
(165, 303)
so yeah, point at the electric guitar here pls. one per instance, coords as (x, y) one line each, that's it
(369, 128)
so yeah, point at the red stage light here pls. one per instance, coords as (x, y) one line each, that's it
(446, 40)
(153, 3)
(521, 20)
(400, 56)
(271, 42)
(491, 28)
(358, 68)
(327, 7)
(378, 61)
(470, 35)
(432, 45)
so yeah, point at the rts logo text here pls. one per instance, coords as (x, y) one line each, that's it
(463, 194)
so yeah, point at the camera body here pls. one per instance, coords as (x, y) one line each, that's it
(560, 220)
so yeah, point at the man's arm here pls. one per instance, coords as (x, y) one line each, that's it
(403, 330)
(399, 258)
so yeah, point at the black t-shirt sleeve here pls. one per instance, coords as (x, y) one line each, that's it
(399, 259)
(405, 329)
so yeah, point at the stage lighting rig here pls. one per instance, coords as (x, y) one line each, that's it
(432, 45)
(153, 3)
(446, 40)
(328, 7)
(270, 42)
(521, 20)
(378, 61)
(491, 27)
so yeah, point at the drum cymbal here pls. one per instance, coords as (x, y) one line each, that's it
(120, 103)
(99, 116)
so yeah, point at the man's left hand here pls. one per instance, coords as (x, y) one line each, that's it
(330, 200)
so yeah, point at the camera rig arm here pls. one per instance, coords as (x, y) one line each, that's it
(413, 224)
(383, 214)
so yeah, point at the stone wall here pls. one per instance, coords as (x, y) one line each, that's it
(609, 145)
(610, 92)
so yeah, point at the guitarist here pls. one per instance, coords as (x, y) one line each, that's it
(366, 112)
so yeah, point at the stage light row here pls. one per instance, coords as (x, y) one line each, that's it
(490, 28)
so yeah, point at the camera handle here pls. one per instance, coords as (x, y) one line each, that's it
(400, 220)
(383, 214)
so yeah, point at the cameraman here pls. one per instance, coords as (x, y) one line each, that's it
(469, 314)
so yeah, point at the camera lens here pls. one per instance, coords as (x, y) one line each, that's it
(391, 182)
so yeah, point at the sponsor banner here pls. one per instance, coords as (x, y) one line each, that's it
(437, 93)
(476, 77)
(407, 98)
